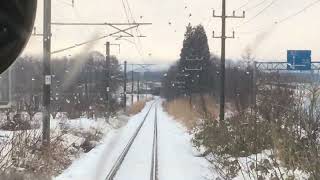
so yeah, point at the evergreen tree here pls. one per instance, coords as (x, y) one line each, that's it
(195, 46)
(186, 50)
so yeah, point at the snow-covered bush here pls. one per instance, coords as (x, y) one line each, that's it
(285, 124)
(23, 151)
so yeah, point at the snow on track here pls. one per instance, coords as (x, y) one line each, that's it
(96, 164)
(137, 164)
(175, 153)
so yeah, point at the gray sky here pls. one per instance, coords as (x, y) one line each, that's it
(164, 41)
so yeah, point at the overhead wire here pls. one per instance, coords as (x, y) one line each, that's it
(91, 41)
(255, 6)
(124, 5)
(308, 6)
(129, 14)
(242, 6)
(298, 12)
(137, 29)
(125, 11)
(258, 14)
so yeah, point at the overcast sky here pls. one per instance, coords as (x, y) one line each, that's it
(164, 41)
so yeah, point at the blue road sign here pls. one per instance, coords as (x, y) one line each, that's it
(299, 60)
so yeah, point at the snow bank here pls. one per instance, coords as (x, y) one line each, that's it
(176, 153)
(96, 164)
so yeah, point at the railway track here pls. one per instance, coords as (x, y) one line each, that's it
(153, 160)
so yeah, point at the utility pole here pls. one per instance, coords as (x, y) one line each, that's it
(107, 86)
(223, 38)
(108, 74)
(86, 86)
(47, 57)
(132, 85)
(143, 66)
(138, 88)
(125, 86)
(146, 88)
(254, 87)
(46, 72)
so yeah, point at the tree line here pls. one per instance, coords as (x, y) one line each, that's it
(78, 84)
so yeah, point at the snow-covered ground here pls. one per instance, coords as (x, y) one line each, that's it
(176, 158)
(72, 137)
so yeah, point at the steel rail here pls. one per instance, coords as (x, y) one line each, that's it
(154, 161)
(125, 151)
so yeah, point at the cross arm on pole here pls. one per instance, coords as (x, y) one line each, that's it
(232, 16)
(226, 37)
(113, 25)
(94, 40)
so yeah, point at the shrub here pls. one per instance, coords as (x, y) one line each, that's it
(136, 107)
(285, 122)
(17, 123)
(190, 114)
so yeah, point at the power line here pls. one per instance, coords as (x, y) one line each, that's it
(124, 5)
(139, 45)
(299, 12)
(131, 14)
(242, 6)
(258, 14)
(125, 11)
(308, 6)
(255, 6)
(129, 8)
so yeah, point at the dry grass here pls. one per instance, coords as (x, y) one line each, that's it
(136, 107)
(189, 115)
(22, 176)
